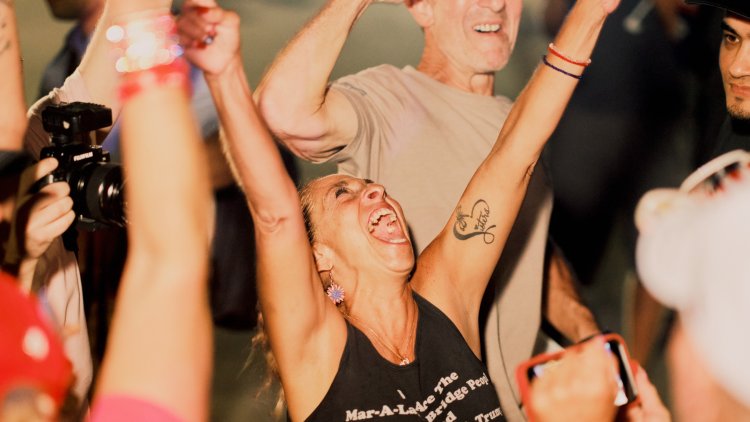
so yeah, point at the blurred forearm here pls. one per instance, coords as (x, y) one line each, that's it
(168, 196)
(12, 119)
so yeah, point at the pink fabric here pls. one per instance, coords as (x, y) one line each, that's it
(120, 408)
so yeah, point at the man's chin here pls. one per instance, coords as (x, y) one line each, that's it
(495, 64)
(738, 113)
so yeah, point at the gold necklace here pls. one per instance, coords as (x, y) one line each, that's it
(403, 358)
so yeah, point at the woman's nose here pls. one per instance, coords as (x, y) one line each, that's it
(375, 191)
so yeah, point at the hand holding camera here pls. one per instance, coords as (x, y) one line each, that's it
(96, 184)
(39, 217)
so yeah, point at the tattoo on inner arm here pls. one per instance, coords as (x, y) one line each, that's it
(475, 223)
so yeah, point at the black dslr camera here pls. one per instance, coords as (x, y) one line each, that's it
(96, 184)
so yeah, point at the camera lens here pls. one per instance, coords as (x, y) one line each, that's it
(98, 190)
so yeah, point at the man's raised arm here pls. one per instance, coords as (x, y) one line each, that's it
(311, 120)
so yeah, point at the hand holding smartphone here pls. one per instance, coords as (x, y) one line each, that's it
(572, 372)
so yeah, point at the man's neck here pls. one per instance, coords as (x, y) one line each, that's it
(464, 79)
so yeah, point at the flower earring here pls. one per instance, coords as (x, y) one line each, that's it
(334, 291)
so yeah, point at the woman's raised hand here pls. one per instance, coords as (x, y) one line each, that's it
(209, 34)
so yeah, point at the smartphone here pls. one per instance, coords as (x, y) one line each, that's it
(613, 343)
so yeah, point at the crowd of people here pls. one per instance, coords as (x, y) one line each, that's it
(410, 285)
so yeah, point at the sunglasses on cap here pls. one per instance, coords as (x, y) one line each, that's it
(711, 177)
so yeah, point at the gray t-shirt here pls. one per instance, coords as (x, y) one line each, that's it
(423, 140)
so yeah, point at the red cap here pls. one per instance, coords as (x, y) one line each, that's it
(31, 354)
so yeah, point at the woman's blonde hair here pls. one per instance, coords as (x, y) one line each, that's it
(259, 345)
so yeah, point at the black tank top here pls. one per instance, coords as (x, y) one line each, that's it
(446, 381)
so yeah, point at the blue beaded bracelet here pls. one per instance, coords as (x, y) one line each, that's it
(572, 75)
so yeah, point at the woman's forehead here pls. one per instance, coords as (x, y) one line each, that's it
(333, 179)
(325, 183)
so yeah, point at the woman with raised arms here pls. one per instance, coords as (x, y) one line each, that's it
(359, 327)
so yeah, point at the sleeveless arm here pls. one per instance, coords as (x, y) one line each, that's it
(455, 269)
(305, 330)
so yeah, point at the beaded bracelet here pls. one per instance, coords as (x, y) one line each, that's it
(148, 52)
(564, 72)
(174, 74)
(144, 40)
(552, 49)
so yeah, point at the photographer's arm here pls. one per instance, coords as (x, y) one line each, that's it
(12, 121)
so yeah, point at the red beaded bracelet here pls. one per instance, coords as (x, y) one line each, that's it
(174, 74)
(144, 40)
(146, 44)
(553, 50)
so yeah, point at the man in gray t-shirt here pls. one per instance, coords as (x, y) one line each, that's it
(422, 132)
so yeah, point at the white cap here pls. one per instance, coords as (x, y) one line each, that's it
(693, 255)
